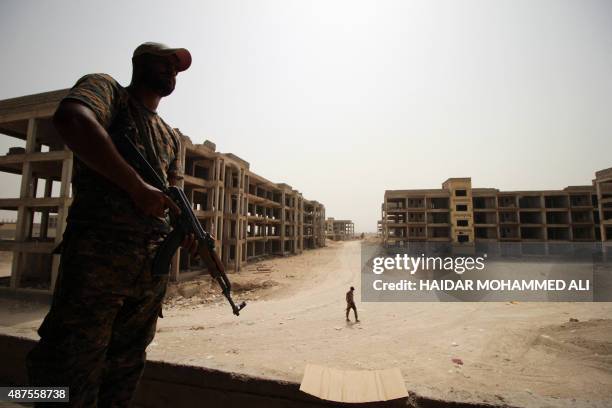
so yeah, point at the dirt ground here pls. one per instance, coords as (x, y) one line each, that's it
(522, 354)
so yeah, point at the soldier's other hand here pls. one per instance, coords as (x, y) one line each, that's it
(154, 202)
(190, 243)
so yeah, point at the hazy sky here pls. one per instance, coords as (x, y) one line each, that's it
(345, 99)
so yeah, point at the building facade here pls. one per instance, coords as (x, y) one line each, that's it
(458, 213)
(339, 230)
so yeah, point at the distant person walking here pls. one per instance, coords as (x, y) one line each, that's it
(350, 304)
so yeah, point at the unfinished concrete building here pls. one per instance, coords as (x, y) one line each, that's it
(459, 213)
(250, 216)
(339, 230)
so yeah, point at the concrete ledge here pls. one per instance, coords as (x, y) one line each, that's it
(31, 295)
(172, 385)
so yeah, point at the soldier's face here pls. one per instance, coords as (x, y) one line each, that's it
(159, 74)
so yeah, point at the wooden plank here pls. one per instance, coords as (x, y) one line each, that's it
(353, 386)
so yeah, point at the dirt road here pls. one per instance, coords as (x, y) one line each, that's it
(523, 354)
(527, 354)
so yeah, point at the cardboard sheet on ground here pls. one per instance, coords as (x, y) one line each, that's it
(353, 385)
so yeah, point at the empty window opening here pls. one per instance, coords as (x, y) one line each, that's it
(530, 217)
(530, 202)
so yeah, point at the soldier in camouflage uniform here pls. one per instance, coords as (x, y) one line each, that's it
(106, 301)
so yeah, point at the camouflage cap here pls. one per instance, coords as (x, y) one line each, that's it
(183, 55)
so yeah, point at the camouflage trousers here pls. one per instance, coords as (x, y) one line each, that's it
(103, 317)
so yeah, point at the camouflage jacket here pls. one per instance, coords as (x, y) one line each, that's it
(98, 202)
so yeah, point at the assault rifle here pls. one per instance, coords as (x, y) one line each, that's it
(183, 224)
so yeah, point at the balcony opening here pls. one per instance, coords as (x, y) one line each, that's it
(416, 203)
(506, 201)
(395, 204)
(397, 232)
(437, 203)
(583, 200)
(532, 233)
(42, 224)
(438, 232)
(581, 216)
(583, 233)
(200, 201)
(481, 217)
(528, 217)
(201, 172)
(438, 218)
(530, 202)
(509, 232)
(557, 217)
(508, 217)
(485, 232)
(557, 234)
(556, 202)
(416, 232)
(483, 202)
(416, 217)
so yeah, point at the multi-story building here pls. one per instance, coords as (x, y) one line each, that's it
(339, 230)
(249, 216)
(461, 214)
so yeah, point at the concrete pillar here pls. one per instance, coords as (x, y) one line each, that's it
(24, 216)
(602, 227)
(44, 222)
(543, 229)
(283, 222)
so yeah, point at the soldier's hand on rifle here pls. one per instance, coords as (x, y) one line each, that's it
(152, 201)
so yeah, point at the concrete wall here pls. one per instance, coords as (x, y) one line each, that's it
(177, 386)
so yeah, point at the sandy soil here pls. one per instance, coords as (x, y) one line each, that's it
(523, 354)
